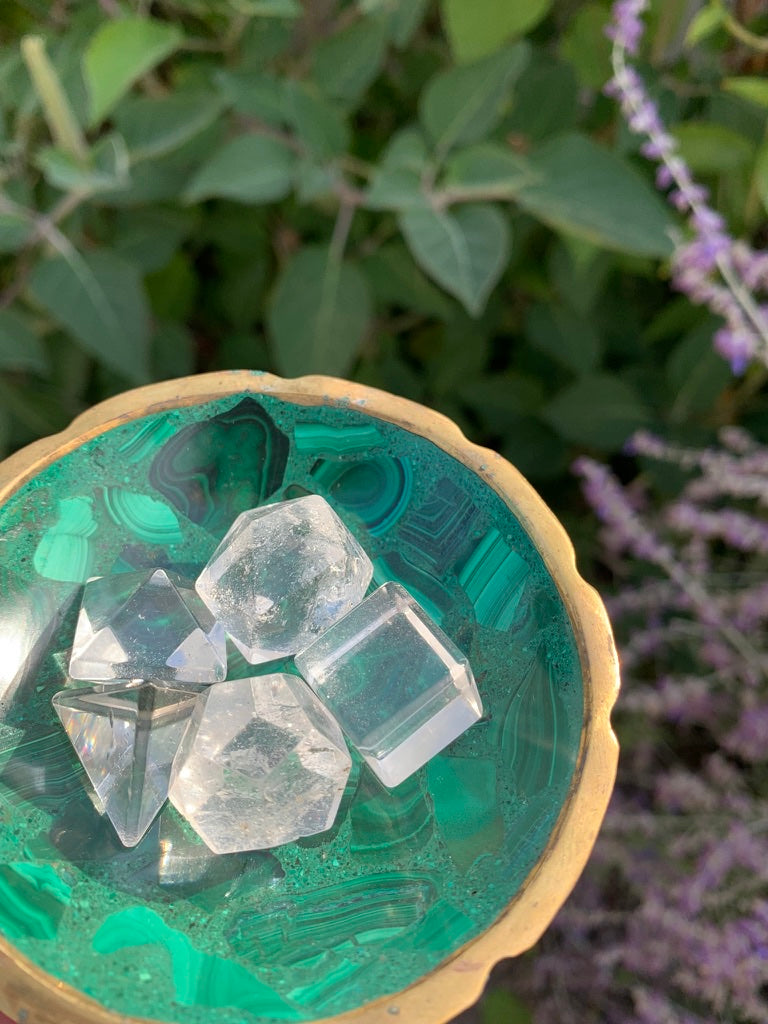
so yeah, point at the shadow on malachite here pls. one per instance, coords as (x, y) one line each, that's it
(405, 877)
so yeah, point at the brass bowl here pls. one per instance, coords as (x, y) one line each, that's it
(30, 994)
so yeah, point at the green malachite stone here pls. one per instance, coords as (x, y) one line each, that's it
(405, 877)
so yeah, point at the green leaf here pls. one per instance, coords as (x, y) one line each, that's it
(173, 351)
(314, 181)
(99, 299)
(585, 46)
(250, 169)
(761, 174)
(239, 298)
(501, 1007)
(255, 94)
(108, 167)
(546, 99)
(269, 8)
(566, 337)
(487, 167)
(704, 23)
(15, 231)
(172, 290)
(318, 122)
(711, 148)
(319, 314)
(476, 28)
(20, 348)
(464, 250)
(397, 281)
(502, 399)
(396, 183)
(464, 104)
(695, 374)
(599, 411)
(154, 126)
(404, 19)
(149, 236)
(345, 64)
(748, 87)
(577, 270)
(582, 189)
(119, 53)
(164, 178)
(535, 449)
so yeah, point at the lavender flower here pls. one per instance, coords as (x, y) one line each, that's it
(670, 921)
(711, 268)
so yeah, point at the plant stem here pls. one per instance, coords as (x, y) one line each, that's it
(737, 30)
(737, 287)
(61, 120)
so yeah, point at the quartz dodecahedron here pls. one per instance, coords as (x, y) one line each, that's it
(398, 686)
(126, 737)
(147, 625)
(282, 575)
(261, 764)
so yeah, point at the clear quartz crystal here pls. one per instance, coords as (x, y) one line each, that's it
(147, 625)
(261, 764)
(398, 686)
(126, 736)
(282, 575)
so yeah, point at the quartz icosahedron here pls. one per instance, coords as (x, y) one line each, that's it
(126, 736)
(262, 763)
(146, 625)
(282, 575)
(398, 686)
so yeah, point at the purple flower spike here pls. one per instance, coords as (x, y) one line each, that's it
(710, 268)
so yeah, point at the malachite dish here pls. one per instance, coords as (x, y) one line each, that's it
(405, 904)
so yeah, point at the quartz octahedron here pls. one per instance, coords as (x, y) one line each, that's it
(398, 686)
(262, 763)
(126, 736)
(282, 575)
(146, 625)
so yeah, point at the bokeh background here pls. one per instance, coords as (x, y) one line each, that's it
(439, 199)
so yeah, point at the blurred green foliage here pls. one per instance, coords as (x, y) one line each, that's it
(427, 197)
(430, 197)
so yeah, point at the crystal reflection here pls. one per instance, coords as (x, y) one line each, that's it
(29, 618)
(170, 861)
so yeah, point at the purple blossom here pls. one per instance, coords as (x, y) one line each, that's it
(670, 922)
(711, 268)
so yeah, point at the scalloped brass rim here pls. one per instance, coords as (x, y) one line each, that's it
(31, 995)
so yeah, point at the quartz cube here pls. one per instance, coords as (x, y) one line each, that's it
(126, 737)
(146, 625)
(282, 575)
(262, 764)
(398, 686)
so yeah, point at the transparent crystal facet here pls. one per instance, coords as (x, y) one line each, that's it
(282, 575)
(147, 625)
(398, 686)
(261, 764)
(126, 737)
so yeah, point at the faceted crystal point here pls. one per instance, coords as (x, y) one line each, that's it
(261, 764)
(398, 686)
(126, 737)
(282, 575)
(147, 625)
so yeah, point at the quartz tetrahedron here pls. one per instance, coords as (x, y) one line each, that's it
(126, 737)
(146, 625)
(261, 764)
(398, 686)
(282, 575)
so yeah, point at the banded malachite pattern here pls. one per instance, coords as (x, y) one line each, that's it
(168, 930)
